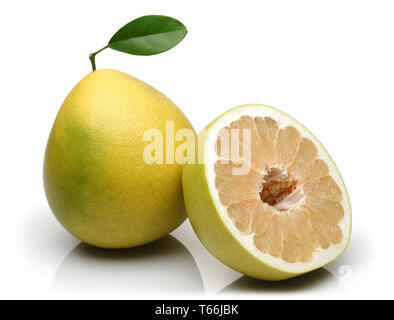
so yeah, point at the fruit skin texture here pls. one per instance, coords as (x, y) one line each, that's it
(210, 228)
(96, 180)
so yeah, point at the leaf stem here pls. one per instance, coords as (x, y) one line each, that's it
(92, 57)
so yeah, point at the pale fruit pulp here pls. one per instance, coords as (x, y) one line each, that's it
(288, 203)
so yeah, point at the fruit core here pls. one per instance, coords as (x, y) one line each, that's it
(287, 201)
(280, 190)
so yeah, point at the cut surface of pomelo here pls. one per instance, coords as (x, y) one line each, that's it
(285, 206)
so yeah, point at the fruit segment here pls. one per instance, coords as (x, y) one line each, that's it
(268, 130)
(324, 187)
(286, 199)
(262, 217)
(230, 193)
(288, 142)
(242, 214)
(247, 130)
(225, 171)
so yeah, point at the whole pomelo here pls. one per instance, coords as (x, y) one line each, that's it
(96, 180)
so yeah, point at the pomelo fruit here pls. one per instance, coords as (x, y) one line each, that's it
(281, 212)
(96, 180)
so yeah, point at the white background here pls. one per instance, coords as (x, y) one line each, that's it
(329, 64)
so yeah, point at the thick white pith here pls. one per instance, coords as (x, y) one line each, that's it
(320, 256)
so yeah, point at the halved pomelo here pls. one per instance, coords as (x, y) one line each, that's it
(280, 212)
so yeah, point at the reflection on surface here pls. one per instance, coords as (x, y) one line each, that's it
(316, 279)
(162, 266)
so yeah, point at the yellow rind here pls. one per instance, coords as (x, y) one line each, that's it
(96, 180)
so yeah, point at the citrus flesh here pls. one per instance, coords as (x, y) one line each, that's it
(287, 214)
(96, 180)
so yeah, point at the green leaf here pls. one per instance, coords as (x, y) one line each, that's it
(148, 35)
